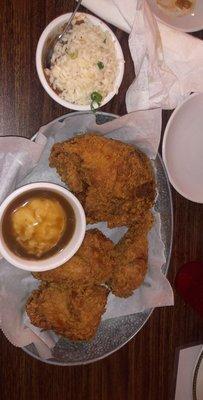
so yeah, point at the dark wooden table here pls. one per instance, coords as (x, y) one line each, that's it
(143, 369)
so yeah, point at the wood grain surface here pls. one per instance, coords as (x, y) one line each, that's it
(142, 369)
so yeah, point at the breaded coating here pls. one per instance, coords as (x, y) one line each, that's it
(131, 256)
(114, 181)
(92, 264)
(73, 313)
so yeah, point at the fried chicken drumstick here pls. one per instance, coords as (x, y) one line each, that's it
(71, 301)
(131, 257)
(113, 180)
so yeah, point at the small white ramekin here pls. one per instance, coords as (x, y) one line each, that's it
(62, 256)
(54, 26)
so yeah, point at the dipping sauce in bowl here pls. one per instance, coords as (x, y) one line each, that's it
(38, 224)
(42, 225)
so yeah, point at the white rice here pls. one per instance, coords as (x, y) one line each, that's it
(74, 73)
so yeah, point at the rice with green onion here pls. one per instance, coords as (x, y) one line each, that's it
(84, 66)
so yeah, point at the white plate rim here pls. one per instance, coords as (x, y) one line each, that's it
(195, 376)
(164, 152)
(185, 30)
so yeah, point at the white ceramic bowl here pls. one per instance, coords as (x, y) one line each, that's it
(62, 256)
(182, 148)
(54, 26)
(185, 23)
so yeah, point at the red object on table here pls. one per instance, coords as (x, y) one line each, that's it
(189, 284)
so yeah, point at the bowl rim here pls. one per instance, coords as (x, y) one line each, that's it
(53, 262)
(150, 311)
(119, 77)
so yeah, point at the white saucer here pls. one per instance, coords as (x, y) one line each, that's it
(186, 23)
(198, 379)
(182, 148)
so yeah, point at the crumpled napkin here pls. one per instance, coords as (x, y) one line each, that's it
(18, 156)
(168, 63)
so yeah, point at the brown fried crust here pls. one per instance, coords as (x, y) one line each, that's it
(92, 264)
(113, 180)
(115, 183)
(131, 256)
(71, 312)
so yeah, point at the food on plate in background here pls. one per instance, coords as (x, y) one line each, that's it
(37, 224)
(114, 181)
(92, 264)
(84, 64)
(177, 7)
(72, 312)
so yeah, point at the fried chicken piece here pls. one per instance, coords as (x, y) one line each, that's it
(92, 264)
(113, 180)
(131, 256)
(70, 312)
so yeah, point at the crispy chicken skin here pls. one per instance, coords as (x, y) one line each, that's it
(115, 183)
(71, 299)
(131, 256)
(113, 180)
(92, 264)
(70, 312)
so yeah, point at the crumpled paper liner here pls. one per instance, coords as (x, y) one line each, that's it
(140, 128)
(18, 156)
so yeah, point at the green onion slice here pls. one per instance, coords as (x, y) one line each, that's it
(100, 65)
(96, 98)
